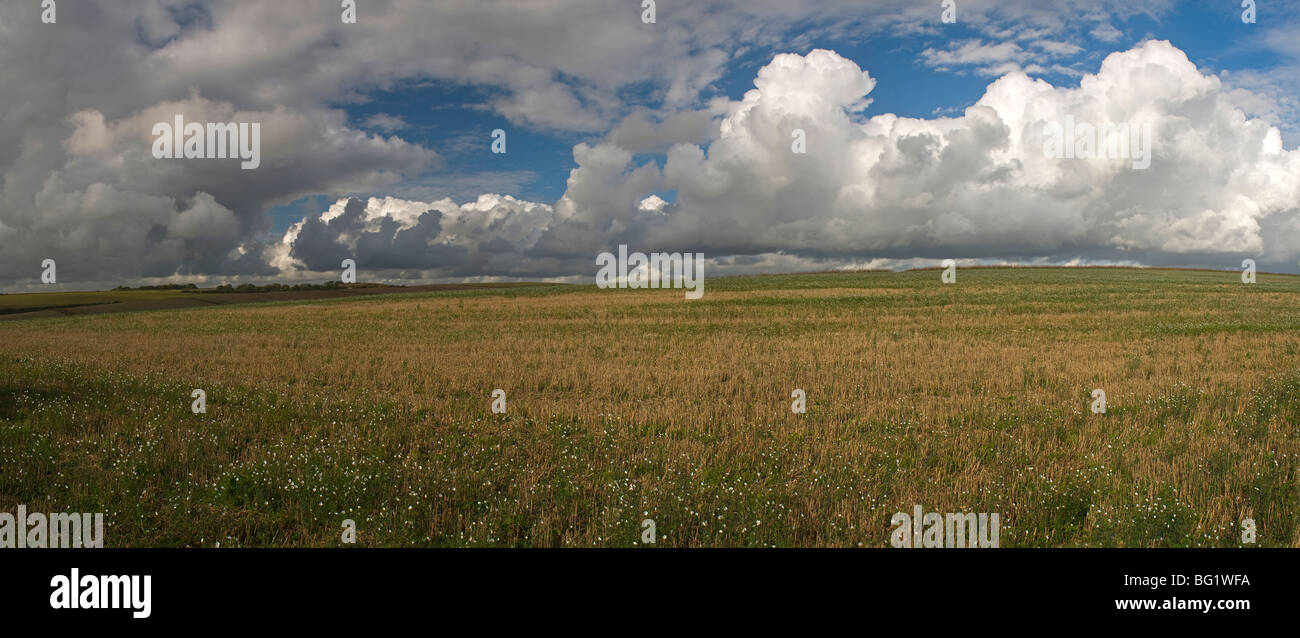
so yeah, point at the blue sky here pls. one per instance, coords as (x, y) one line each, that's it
(668, 135)
(455, 119)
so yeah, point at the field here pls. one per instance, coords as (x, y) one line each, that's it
(54, 304)
(624, 405)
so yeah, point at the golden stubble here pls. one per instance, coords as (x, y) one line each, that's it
(713, 379)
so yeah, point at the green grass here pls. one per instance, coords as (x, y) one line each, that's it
(627, 405)
(146, 300)
(259, 470)
(27, 302)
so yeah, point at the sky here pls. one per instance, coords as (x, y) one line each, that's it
(923, 137)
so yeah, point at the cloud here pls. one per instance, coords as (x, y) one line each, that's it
(639, 134)
(406, 239)
(385, 122)
(998, 59)
(887, 189)
(81, 96)
(980, 185)
(105, 205)
(1106, 32)
(972, 52)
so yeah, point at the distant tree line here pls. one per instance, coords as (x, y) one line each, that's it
(329, 285)
(160, 287)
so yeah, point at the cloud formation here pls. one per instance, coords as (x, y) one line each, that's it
(81, 97)
(1220, 186)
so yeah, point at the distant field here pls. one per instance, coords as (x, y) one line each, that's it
(625, 405)
(30, 302)
(53, 304)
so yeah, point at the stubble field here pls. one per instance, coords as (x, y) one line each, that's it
(624, 405)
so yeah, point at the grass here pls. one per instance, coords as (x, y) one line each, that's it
(51, 304)
(29, 302)
(627, 404)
